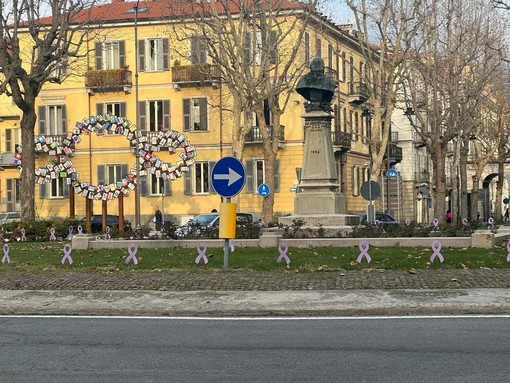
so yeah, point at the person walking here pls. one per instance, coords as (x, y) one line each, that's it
(448, 216)
(158, 218)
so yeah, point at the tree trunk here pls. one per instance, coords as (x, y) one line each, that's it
(28, 162)
(499, 190)
(463, 184)
(438, 160)
(474, 196)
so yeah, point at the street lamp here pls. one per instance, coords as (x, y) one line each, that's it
(137, 10)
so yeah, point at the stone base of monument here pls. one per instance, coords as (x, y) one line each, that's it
(343, 222)
(319, 202)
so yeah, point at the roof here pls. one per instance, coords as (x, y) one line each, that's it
(120, 10)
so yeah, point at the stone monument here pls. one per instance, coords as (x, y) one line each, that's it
(319, 200)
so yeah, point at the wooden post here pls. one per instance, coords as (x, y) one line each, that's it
(105, 213)
(72, 203)
(88, 213)
(121, 212)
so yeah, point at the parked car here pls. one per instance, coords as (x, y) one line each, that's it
(96, 222)
(10, 216)
(202, 222)
(382, 217)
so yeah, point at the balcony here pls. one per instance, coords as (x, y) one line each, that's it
(341, 141)
(358, 93)
(254, 136)
(395, 154)
(7, 159)
(196, 75)
(108, 80)
(422, 176)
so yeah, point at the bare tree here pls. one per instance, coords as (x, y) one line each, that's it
(388, 30)
(255, 44)
(451, 70)
(34, 50)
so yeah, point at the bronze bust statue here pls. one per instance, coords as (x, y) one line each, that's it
(316, 87)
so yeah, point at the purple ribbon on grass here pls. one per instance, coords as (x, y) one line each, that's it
(231, 245)
(436, 248)
(132, 250)
(282, 248)
(52, 234)
(67, 254)
(23, 235)
(70, 236)
(508, 251)
(201, 248)
(6, 258)
(363, 247)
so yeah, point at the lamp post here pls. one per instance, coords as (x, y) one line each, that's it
(136, 10)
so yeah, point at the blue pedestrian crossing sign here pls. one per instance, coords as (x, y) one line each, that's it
(264, 190)
(228, 177)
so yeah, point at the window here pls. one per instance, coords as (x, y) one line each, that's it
(111, 174)
(355, 181)
(254, 44)
(113, 109)
(344, 118)
(307, 48)
(342, 69)
(351, 71)
(12, 139)
(57, 187)
(194, 114)
(13, 193)
(330, 56)
(356, 124)
(198, 50)
(110, 55)
(153, 54)
(256, 175)
(156, 185)
(52, 120)
(268, 116)
(201, 180)
(154, 116)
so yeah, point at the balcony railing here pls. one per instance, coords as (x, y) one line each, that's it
(108, 80)
(422, 176)
(7, 159)
(341, 140)
(395, 153)
(201, 74)
(358, 93)
(254, 136)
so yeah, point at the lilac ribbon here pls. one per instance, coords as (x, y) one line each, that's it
(52, 234)
(282, 248)
(464, 221)
(132, 250)
(23, 235)
(363, 247)
(67, 254)
(377, 222)
(508, 251)
(436, 248)
(201, 248)
(6, 258)
(490, 221)
(231, 244)
(107, 231)
(408, 222)
(80, 229)
(435, 222)
(70, 236)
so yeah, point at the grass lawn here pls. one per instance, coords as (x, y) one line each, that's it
(48, 255)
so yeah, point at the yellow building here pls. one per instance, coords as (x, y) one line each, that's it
(173, 94)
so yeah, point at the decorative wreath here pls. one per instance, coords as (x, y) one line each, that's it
(61, 166)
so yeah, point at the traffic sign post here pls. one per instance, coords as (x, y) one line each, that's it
(228, 179)
(370, 190)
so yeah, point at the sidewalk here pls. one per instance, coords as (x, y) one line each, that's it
(254, 293)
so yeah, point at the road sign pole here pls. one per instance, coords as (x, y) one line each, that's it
(225, 248)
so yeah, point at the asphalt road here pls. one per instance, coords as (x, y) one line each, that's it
(95, 349)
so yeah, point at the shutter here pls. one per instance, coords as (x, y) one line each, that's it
(166, 60)
(186, 117)
(141, 55)
(64, 119)
(42, 191)
(203, 113)
(187, 183)
(194, 50)
(142, 120)
(99, 109)
(124, 171)
(122, 54)
(143, 187)
(212, 190)
(65, 188)
(42, 120)
(8, 140)
(247, 48)
(273, 48)
(249, 176)
(123, 109)
(101, 175)
(166, 114)
(277, 175)
(167, 187)
(99, 55)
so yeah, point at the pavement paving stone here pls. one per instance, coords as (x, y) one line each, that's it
(237, 280)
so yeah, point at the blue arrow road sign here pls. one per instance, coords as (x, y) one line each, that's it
(264, 190)
(228, 177)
